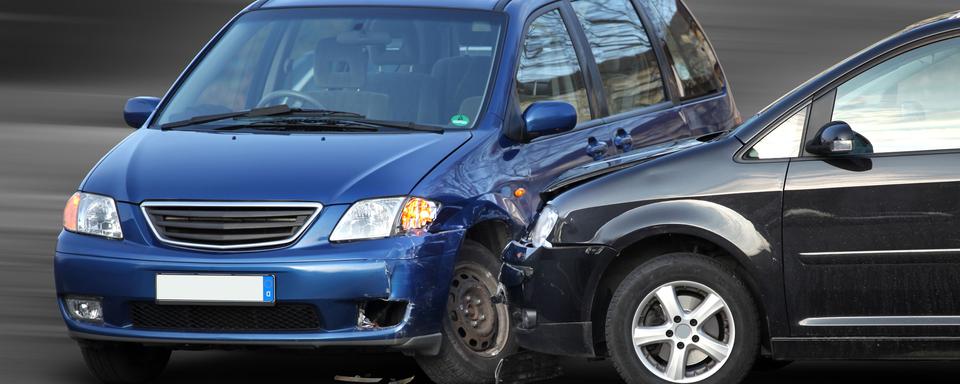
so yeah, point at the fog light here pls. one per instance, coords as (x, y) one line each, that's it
(86, 309)
(378, 314)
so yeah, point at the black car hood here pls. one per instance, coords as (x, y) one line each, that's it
(590, 171)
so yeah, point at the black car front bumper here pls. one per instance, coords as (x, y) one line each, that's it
(551, 295)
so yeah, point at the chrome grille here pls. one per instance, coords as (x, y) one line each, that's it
(229, 226)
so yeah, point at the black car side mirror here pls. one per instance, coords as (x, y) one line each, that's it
(837, 138)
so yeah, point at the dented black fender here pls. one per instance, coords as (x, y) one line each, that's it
(673, 193)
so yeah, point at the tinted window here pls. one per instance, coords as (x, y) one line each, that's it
(384, 63)
(549, 69)
(628, 65)
(694, 62)
(783, 141)
(908, 103)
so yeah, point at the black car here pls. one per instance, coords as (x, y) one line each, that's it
(825, 227)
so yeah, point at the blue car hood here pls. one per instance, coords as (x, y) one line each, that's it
(327, 168)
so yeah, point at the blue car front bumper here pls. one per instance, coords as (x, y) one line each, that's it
(335, 279)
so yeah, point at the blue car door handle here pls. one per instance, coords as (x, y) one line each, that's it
(596, 149)
(623, 141)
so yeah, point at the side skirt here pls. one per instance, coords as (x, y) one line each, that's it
(866, 348)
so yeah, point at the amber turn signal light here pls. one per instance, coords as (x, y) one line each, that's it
(417, 214)
(70, 213)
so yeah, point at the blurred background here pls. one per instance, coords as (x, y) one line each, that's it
(67, 67)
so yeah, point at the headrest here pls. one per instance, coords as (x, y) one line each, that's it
(403, 46)
(363, 38)
(476, 34)
(340, 65)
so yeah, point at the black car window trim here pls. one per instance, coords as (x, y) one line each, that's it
(830, 90)
(584, 68)
(883, 57)
(821, 113)
(831, 87)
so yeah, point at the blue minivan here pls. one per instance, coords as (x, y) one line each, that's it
(344, 173)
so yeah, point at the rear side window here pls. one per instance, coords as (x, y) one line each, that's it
(626, 60)
(549, 69)
(694, 63)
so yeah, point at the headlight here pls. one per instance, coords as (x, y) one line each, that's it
(543, 227)
(379, 218)
(92, 215)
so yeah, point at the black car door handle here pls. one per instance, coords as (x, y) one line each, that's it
(596, 149)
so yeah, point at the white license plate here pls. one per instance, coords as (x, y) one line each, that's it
(216, 289)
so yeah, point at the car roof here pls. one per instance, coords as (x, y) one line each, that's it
(458, 4)
(947, 22)
(946, 18)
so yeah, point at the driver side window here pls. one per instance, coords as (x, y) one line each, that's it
(908, 103)
(549, 69)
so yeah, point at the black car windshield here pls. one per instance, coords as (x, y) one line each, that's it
(420, 66)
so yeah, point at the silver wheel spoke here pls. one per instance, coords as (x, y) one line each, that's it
(713, 348)
(708, 307)
(668, 300)
(673, 328)
(650, 335)
(677, 365)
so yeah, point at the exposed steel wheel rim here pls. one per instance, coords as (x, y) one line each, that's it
(683, 332)
(480, 325)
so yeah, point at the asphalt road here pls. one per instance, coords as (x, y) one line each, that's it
(66, 68)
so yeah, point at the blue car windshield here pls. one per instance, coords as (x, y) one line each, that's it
(428, 67)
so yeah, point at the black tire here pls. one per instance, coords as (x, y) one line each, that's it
(459, 362)
(766, 364)
(123, 363)
(679, 268)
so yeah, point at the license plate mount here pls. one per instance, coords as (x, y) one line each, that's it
(211, 289)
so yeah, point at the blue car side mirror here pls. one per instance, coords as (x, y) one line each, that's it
(545, 118)
(139, 109)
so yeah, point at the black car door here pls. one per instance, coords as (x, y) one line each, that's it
(871, 242)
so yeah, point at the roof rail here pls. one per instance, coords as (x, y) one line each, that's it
(256, 4)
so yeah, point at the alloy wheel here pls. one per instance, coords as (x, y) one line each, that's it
(683, 332)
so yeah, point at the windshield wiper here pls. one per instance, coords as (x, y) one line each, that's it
(276, 110)
(410, 126)
(311, 125)
(331, 123)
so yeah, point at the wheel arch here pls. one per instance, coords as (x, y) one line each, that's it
(489, 219)
(645, 233)
(493, 234)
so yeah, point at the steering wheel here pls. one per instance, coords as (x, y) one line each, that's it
(289, 93)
